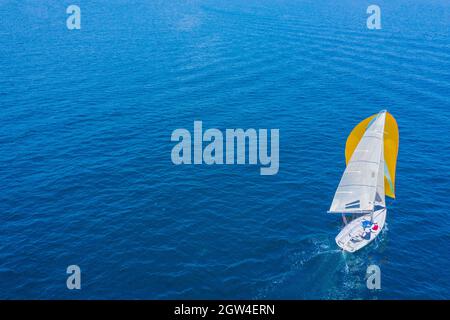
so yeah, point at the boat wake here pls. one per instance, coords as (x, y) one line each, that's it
(327, 272)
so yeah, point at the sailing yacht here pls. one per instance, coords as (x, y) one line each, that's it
(371, 156)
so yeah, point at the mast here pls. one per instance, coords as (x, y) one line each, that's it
(380, 198)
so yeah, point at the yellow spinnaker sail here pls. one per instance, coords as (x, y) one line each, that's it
(391, 141)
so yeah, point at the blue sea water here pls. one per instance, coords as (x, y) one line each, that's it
(85, 168)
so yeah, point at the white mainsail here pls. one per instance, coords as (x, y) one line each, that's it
(362, 184)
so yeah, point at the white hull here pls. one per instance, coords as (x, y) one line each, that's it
(354, 237)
